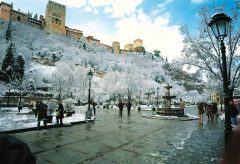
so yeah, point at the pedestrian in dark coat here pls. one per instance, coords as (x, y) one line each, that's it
(200, 112)
(120, 106)
(94, 106)
(233, 112)
(209, 112)
(214, 111)
(129, 105)
(42, 113)
(60, 114)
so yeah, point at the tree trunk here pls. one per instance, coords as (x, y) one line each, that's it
(230, 94)
(20, 102)
(139, 98)
(8, 98)
(59, 97)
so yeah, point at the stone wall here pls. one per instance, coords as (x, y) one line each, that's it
(128, 47)
(19, 16)
(73, 33)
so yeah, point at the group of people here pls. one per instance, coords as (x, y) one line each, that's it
(41, 113)
(211, 111)
(121, 106)
(92, 109)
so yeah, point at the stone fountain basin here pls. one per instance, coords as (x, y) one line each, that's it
(168, 97)
(160, 117)
(170, 112)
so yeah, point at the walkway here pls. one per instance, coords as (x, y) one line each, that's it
(111, 139)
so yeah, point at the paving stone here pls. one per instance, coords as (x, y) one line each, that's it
(91, 148)
(119, 155)
(62, 156)
(134, 139)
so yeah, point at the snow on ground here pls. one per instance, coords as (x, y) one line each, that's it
(187, 117)
(11, 119)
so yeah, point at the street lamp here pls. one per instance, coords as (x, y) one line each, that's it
(220, 27)
(89, 75)
(157, 97)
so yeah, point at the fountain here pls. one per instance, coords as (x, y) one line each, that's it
(167, 110)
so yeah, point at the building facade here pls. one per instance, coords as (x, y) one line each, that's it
(215, 97)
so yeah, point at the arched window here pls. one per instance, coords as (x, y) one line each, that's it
(19, 18)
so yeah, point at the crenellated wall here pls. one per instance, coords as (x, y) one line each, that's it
(54, 22)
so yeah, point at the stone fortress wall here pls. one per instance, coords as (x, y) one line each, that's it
(54, 22)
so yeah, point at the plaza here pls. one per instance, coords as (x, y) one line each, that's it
(134, 139)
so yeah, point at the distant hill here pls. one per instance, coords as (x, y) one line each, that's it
(52, 59)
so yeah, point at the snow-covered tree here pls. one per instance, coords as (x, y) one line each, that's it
(8, 61)
(9, 31)
(22, 86)
(203, 50)
(19, 67)
(67, 75)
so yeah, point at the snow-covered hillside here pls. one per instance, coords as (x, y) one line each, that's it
(114, 75)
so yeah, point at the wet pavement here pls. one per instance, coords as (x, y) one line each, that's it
(134, 139)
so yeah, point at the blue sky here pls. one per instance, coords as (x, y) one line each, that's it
(155, 21)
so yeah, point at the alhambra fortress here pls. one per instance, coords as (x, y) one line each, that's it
(54, 22)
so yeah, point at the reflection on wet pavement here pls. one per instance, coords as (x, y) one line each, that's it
(134, 139)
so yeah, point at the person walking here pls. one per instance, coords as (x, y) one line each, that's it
(209, 112)
(41, 113)
(214, 111)
(120, 106)
(94, 106)
(182, 105)
(129, 105)
(200, 112)
(60, 113)
(234, 113)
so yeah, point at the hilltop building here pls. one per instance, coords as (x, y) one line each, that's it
(54, 22)
(129, 47)
(116, 47)
(137, 46)
(215, 97)
(55, 17)
(137, 43)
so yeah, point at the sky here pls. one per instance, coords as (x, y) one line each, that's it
(156, 22)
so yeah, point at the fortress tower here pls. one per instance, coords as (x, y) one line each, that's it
(116, 47)
(55, 17)
(5, 11)
(137, 43)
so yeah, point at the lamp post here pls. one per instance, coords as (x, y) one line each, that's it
(157, 97)
(220, 27)
(89, 75)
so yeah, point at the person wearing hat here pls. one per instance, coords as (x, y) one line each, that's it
(60, 113)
